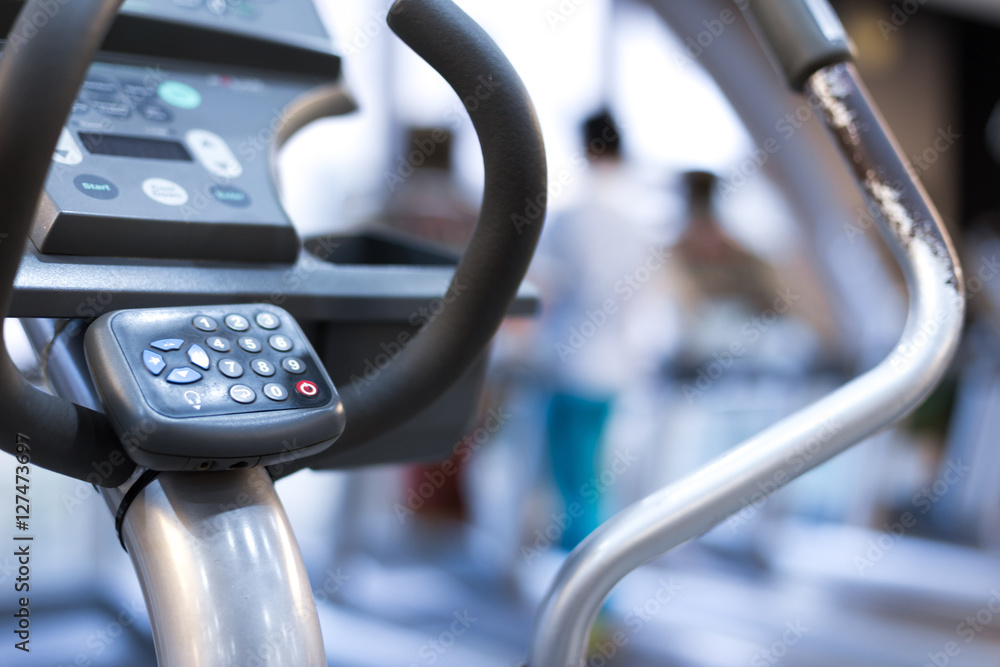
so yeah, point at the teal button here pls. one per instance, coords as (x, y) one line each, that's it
(179, 95)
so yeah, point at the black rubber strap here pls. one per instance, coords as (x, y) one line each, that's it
(130, 496)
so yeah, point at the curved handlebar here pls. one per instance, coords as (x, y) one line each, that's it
(763, 464)
(41, 70)
(510, 222)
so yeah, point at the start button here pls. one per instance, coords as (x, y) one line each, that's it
(95, 186)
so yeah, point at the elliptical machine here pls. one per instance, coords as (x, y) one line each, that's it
(199, 385)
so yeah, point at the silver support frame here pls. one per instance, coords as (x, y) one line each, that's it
(873, 401)
(221, 572)
(216, 558)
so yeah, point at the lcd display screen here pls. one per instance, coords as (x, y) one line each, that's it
(141, 147)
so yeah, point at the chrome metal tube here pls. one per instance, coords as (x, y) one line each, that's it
(221, 572)
(216, 558)
(761, 465)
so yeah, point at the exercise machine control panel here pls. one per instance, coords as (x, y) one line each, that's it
(169, 163)
(212, 387)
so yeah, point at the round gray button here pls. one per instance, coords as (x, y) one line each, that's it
(280, 343)
(219, 344)
(275, 392)
(165, 192)
(230, 368)
(262, 367)
(237, 322)
(242, 393)
(267, 321)
(205, 323)
(293, 365)
(250, 344)
(95, 186)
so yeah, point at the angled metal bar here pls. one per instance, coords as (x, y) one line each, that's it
(866, 405)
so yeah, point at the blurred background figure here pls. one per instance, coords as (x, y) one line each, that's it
(595, 260)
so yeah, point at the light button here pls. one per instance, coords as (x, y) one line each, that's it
(213, 153)
(198, 357)
(183, 376)
(179, 95)
(154, 362)
(165, 192)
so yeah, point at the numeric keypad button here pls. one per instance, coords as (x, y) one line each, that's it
(293, 365)
(230, 368)
(242, 394)
(267, 321)
(219, 344)
(237, 322)
(275, 392)
(250, 344)
(280, 343)
(205, 323)
(262, 367)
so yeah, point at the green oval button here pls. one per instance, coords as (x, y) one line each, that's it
(179, 95)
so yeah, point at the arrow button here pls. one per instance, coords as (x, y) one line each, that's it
(183, 376)
(198, 356)
(153, 362)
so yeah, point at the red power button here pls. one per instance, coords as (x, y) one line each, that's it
(306, 388)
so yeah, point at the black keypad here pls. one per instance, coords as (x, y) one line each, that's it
(191, 374)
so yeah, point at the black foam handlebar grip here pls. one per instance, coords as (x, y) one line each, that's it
(497, 257)
(44, 62)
